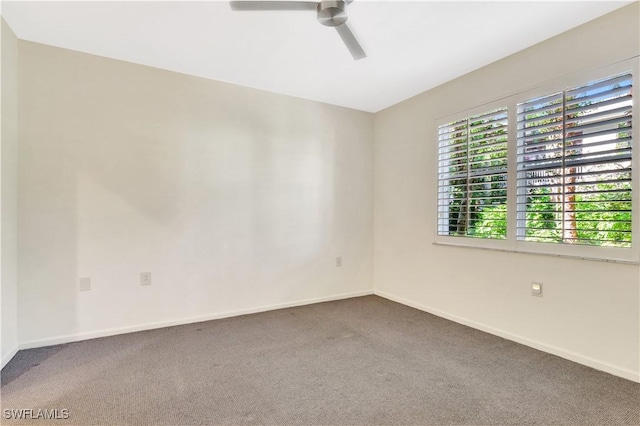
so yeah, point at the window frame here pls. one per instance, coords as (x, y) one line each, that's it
(511, 243)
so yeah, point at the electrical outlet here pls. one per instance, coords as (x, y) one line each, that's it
(339, 261)
(84, 284)
(145, 278)
(536, 289)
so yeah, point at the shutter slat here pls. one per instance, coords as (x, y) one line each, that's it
(604, 123)
(623, 80)
(529, 139)
(604, 133)
(591, 93)
(624, 109)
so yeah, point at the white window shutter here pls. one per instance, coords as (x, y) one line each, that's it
(574, 165)
(472, 176)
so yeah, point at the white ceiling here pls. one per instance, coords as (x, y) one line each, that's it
(412, 46)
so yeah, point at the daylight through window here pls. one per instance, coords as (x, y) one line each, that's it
(472, 183)
(544, 171)
(574, 165)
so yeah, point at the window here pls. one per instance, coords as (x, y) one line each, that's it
(545, 171)
(472, 182)
(574, 165)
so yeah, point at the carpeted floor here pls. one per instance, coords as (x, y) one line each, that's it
(361, 361)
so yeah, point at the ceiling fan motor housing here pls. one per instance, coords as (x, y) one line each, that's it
(332, 12)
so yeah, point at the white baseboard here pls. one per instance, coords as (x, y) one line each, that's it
(9, 356)
(150, 326)
(572, 356)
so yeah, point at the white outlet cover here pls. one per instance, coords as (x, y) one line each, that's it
(84, 284)
(145, 278)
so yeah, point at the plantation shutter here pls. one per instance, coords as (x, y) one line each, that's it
(472, 176)
(574, 165)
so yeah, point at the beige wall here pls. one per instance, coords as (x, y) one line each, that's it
(9, 146)
(234, 199)
(590, 310)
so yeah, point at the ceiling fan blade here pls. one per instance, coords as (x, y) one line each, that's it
(273, 5)
(350, 40)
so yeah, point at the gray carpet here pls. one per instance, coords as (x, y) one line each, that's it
(361, 361)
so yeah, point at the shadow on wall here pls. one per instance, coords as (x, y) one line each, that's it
(231, 197)
(226, 194)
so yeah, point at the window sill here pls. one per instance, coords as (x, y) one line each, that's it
(538, 253)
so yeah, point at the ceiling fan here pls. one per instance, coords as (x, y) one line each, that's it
(332, 13)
